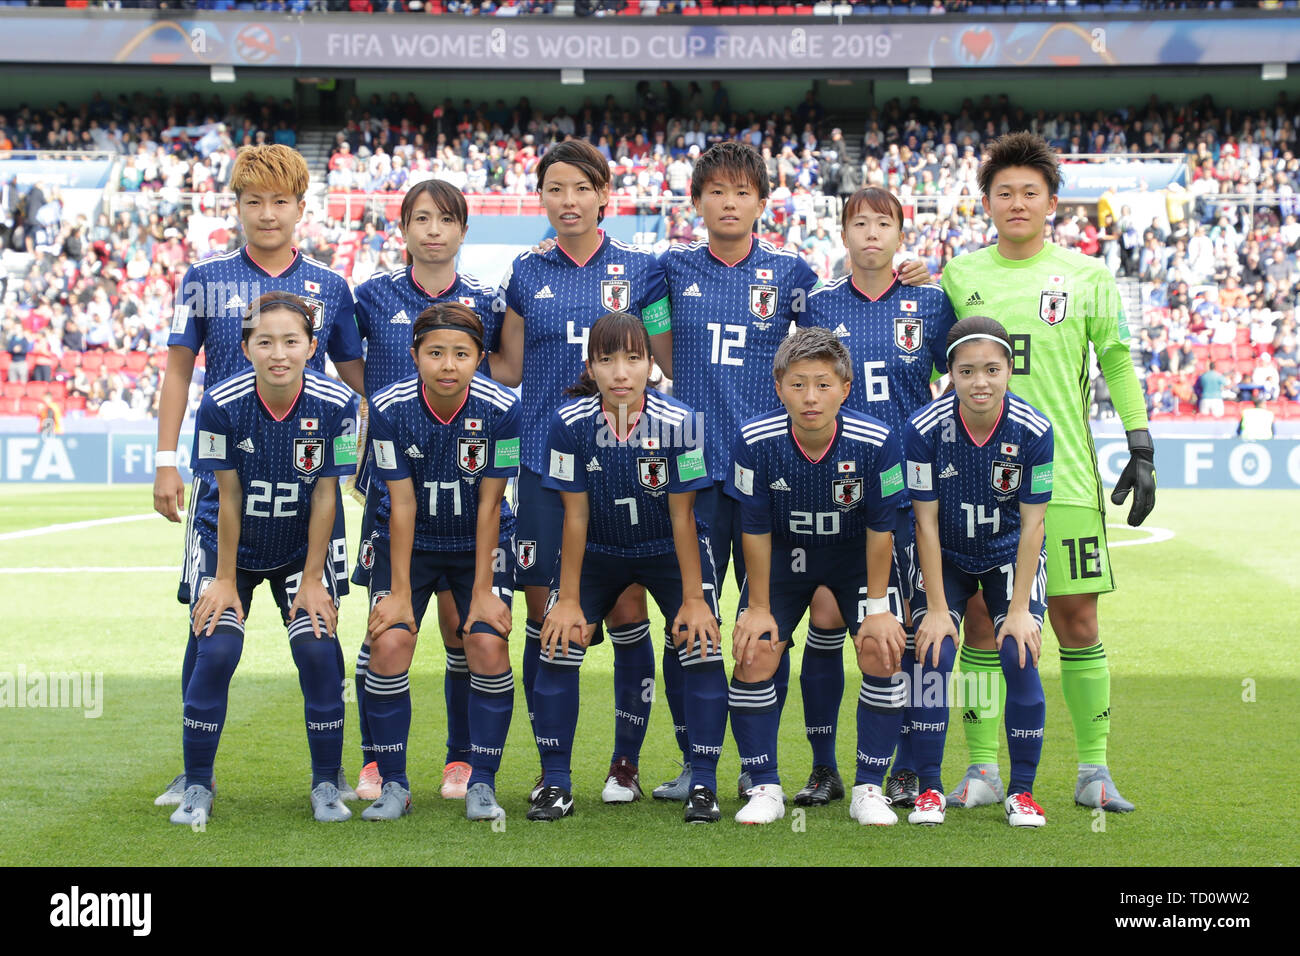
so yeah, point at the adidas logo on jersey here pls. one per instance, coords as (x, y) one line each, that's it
(414, 452)
(948, 472)
(246, 445)
(841, 332)
(594, 465)
(779, 485)
(235, 302)
(693, 290)
(974, 299)
(401, 318)
(545, 293)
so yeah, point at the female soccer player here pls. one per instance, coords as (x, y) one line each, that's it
(552, 300)
(627, 462)
(434, 219)
(445, 443)
(815, 483)
(979, 471)
(895, 334)
(277, 438)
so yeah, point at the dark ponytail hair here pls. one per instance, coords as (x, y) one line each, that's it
(613, 332)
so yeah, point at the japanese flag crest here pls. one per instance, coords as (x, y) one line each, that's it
(762, 300)
(526, 553)
(615, 294)
(847, 491)
(1006, 476)
(908, 334)
(317, 309)
(1052, 306)
(471, 454)
(308, 454)
(652, 473)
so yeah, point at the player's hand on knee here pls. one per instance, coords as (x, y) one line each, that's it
(315, 600)
(168, 493)
(1021, 627)
(564, 624)
(750, 627)
(914, 272)
(930, 634)
(490, 610)
(888, 635)
(695, 617)
(391, 610)
(216, 599)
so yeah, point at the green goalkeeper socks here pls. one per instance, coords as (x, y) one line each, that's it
(982, 696)
(1085, 685)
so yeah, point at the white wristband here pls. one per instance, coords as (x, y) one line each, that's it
(164, 459)
(878, 606)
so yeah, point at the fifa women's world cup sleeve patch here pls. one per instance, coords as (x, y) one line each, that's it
(919, 476)
(657, 317)
(211, 445)
(561, 465)
(385, 454)
(506, 453)
(744, 479)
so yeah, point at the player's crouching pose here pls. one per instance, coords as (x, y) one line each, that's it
(979, 471)
(445, 443)
(811, 480)
(275, 439)
(627, 462)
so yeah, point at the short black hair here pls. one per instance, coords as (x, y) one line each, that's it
(278, 300)
(730, 162)
(1020, 149)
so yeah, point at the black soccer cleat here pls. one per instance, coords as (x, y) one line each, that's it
(551, 803)
(824, 785)
(702, 806)
(902, 788)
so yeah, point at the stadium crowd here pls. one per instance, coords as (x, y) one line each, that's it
(89, 321)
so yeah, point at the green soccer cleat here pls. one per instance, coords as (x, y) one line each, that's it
(327, 804)
(1096, 789)
(394, 803)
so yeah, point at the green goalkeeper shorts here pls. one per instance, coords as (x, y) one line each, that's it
(1077, 558)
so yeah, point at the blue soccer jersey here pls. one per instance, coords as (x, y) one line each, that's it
(627, 481)
(979, 487)
(277, 460)
(559, 300)
(895, 340)
(854, 486)
(445, 460)
(388, 305)
(215, 295)
(728, 320)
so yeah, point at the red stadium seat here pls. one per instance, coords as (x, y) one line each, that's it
(70, 361)
(75, 403)
(1202, 353)
(136, 361)
(14, 390)
(5, 361)
(785, 11)
(1243, 336)
(747, 11)
(161, 355)
(690, 11)
(1222, 353)
(114, 361)
(1245, 366)
(92, 362)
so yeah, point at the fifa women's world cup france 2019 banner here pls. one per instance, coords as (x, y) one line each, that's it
(413, 42)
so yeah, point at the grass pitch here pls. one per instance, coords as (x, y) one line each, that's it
(1204, 690)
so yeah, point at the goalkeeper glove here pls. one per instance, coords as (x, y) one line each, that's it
(1139, 475)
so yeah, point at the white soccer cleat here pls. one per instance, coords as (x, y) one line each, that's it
(766, 804)
(929, 810)
(870, 807)
(980, 787)
(623, 785)
(1023, 812)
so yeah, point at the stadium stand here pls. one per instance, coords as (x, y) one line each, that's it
(87, 305)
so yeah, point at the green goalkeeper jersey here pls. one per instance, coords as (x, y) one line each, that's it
(1052, 304)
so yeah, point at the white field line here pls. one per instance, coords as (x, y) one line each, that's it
(1154, 536)
(73, 526)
